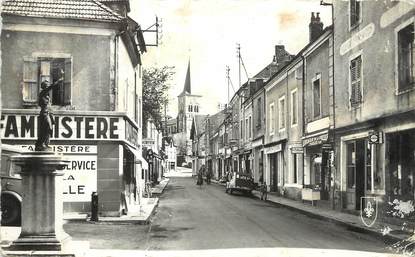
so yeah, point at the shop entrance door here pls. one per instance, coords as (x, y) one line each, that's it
(360, 171)
(274, 172)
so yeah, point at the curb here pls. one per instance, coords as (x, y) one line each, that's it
(355, 228)
(390, 238)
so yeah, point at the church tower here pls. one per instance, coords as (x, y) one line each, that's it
(188, 107)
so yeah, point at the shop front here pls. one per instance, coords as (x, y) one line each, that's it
(258, 162)
(400, 165)
(103, 151)
(317, 170)
(275, 166)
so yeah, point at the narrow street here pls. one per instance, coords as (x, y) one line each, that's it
(193, 218)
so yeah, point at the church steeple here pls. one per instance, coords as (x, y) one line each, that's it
(187, 82)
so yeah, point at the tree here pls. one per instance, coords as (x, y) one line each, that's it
(155, 93)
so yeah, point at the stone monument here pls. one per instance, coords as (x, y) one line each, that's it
(42, 206)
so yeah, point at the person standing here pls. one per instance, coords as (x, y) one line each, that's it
(264, 192)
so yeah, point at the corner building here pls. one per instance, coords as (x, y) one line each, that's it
(97, 107)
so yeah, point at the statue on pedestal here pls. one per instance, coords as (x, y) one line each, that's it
(45, 118)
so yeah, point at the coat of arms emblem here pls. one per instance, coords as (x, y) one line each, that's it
(368, 210)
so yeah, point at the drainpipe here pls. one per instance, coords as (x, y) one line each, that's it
(303, 111)
(334, 111)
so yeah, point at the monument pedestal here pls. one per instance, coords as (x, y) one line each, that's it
(42, 206)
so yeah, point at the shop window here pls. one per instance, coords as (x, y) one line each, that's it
(355, 12)
(359, 166)
(351, 165)
(355, 93)
(316, 98)
(37, 70)
(401, 155)
(406, 58)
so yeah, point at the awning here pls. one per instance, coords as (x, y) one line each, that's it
(138, 157)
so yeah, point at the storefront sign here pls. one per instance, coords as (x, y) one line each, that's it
(273, 149)
(64, 128)
(80, 176)
(297, 149)
(317, 140)
(258, 143)
(375, 138)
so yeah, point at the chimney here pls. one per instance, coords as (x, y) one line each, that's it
(122, 7)
(280, 54)
(315, 26)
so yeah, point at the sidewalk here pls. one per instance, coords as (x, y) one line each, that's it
(158, 189)
(350, 221)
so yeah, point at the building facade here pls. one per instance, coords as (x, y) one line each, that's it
(97, 106)
(375, 100)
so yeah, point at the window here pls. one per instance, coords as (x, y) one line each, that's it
(250, 127)
(356, 81)
(37, 70)
(355, 14)
(242, 129)
(196, 108)
(294, 107)
(406, 58)
(246, 129)
(190, 108)
(259, 113)
(271, 119)
(281, 114)
(316, 97)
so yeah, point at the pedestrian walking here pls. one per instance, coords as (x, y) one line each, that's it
(200, 176)
(264, 192)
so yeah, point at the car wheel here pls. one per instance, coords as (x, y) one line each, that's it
(10, 210)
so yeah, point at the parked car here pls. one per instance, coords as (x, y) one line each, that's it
(11, 187)
(241, 182)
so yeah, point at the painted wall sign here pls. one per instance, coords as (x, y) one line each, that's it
(80, 176)
(65, 127)
(358, 38)
(131, 134)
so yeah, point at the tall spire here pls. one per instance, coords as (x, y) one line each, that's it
(187, 84)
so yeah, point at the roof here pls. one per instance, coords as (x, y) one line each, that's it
(328, 29)
(187, 83)
(198, 126)
(61, 9)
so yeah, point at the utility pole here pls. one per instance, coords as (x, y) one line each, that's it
(227, 79)
(238, 52)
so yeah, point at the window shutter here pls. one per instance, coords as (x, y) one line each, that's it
(412, 51)
(68, 82)
(30, 89)
(355, 81)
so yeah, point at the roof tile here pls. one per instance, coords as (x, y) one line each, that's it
(65, 9)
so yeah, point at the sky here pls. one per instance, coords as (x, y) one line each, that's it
(206, 32)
